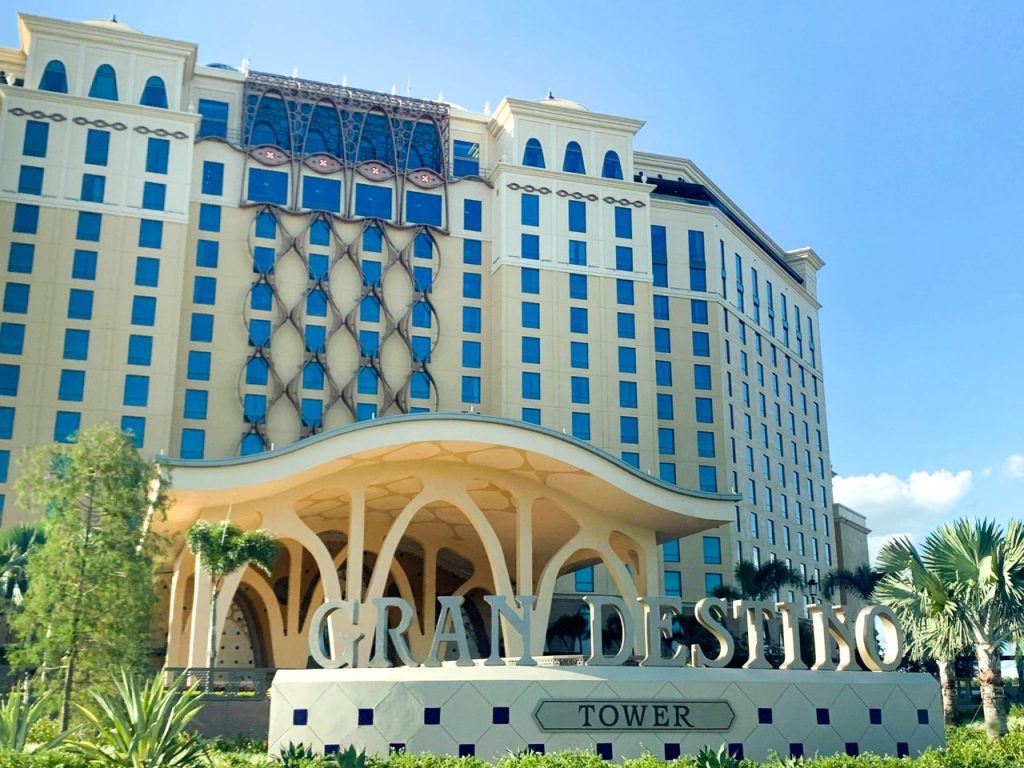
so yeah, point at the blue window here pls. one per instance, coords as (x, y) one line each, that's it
(530, 246)
(704, 413)
(531, 314)
(707, 478)
(624, 258)
(193, 442)
(699, 312)
(256, 371)
(627, 359)
(36, 134)
(627, 394)
(207, 253)
(136, 390)
(666, 409)
(268, 186)
(423, 246)
(667, 473)
(209, 217)
(320, 232)
(421, 208)
(471, 354)
(666, 441)
(422, 278)
(573, 161)
(204, 290)
(577, 286)
(624, 291)
(26, 218)
(6, 423)
(366, 383)
(662, 340)
(421, 315)
(198, 368)
(21, 258)
(701, 376)
(472, 215)
(201, 328)
(698, 266)
(629, 430)
(312, 376)
(147, 271)
(670, 551)
(76, 344)
(30, 180)
(530, 279)
(663, 373)
(16, 298)
(88, 226)
(471, 389)
(533, 154)
(158, 152)
(151, 233)
(366, 411)
(369, 343)
(369, 309)
(577, 216)
(471, 319)
(80, 304)
(623, 222)
(531, 349)
(316, 338)
(579, 354)
(316, 303)
(421, 348)
(9, 375)
(66, 425)
(701, 344)
(263, 260)
(372, 240)
(140, 349)
(97, 147)
(626, 322)
(104, 83)
(611, 168)
(419, 385)
(466, 159)
(83, 267)
(578, 252)
(93, 188)
(266, 225)
(578, 319)
(318, 266)
(531, 415)
(215, 118)
(154, 94)
(584, 580)
(706, 445)
(579, 388)
(374, 202)
(471, 252)
(529, 210)
(659, 256)
(135, 426)
(581, 425)
(213, 178)
(154, 196)
(673, 579)
(531, 385)
(54, 77)
(321, 194)
(12, 338)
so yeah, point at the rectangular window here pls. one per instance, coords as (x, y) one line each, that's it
(578, 319)
(201, 328)
(579, 389)
(321, 194)
(580, 425)
(88, 226)
(529, 210)
(531, 385)
(584, 580)
(712, 581)
(80, 304)
(136, 390)
(577, 287)
(195, 403)
(421, 208)
(213, 178)
(97, 147)
(472, 215)
(577, 216)
(36, 135)
(673, 582)
(76, 344)
(272, 187)
(12, 338)
(9, 376)
(204, 290)
(623, 258)
(471, 252)
(207, 253)
(21, 258)
(471, 354)
(151, 233)
(698, 265)
(627, 394)
(83, 266)
(471, 285)
(421, 348)
(627, 360)
(530, 246)
(147, 271)
(712, 550)
(701, 344)
(623, 222)
(659, 256)
(140, 349)
(629, 430)
(670, 551)
(579, 354)
(530, 280)
(193, 441)
(466, 158)
(198, 368)
(666, 407)
(624, 293)
(666, 441)
(706, 445)
(531, 415)
(422, 279)
(6, 423)
(707, 478)
(531, 349)
(157, 153)
(421, 315)
(214, 122)
(471, 389)
(578, 252)
(143, 310)
(93, 188)
(72, 386)
(662, 340)
(471, 319)
(704, 410)
(663, 373)
(26, 218)
(65, 425)
(30, 180)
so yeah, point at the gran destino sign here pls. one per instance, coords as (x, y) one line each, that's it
(835, 633)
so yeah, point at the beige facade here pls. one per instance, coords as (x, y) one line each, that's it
(266, 259)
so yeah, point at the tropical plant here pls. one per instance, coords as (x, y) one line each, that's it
(16, 543)
(93, 579)
(17, 716)
(143, 726)
(348, 758)
(221, 550)
(709, 758)
(759, 582)
(861, 581)
(296, 756)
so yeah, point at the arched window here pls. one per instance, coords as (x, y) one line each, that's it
(54, 78)
(324, 132)
(375, 142)
(533, 155)
(573, 162)
(154, 94)
(612, 168)
(104, 83)
(270, 125)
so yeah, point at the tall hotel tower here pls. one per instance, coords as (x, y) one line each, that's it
(224, 262)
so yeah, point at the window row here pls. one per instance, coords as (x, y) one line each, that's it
(572, 159)
(104, 84)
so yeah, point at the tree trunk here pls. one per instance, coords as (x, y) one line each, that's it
(211, 648)
(946, 686)
(993, 696)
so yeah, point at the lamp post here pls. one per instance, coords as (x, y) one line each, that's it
(812, 588)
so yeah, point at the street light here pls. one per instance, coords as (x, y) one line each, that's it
(812, 587)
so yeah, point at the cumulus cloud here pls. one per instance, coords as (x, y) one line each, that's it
(1014, 466)
(898, 506)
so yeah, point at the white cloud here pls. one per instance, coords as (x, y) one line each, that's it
(1014, 466)
(895, 506)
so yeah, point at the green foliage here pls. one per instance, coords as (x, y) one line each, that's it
(54, 758)
(18, 715)
(144, 726)
(861, 581)
(720, 758)
(347, 758)
(760, 582)
(224, 548)
(16, 544)
(92, 593)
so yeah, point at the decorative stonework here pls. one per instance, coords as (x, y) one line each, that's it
(528, 188)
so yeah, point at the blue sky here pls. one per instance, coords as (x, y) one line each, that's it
(885, 135)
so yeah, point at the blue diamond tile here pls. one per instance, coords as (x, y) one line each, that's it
(300, 716)
(875, 716)
(823, 716)
(764, 715)
(365, 716)
(431, 715)
(499, 716)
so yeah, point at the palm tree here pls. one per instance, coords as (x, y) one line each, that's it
(16, 543)
(985, 567)
(861, 581)
(221, 550)
(759, 582)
